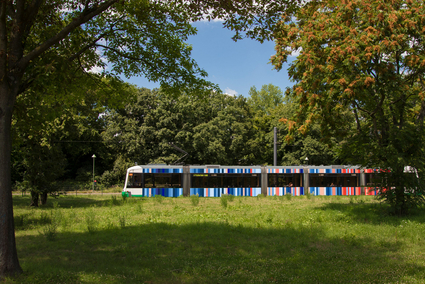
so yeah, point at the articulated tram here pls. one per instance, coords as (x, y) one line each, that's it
(215, 180)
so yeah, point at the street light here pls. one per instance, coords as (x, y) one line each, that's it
(94, 157)
(306, 160)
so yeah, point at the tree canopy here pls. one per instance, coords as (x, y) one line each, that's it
(367, 57)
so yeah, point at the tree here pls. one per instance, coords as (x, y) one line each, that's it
(212, 129)
(224, 138)
(264, 104)
(366, 57)
(265, 100)
(49, 134)
(138, 37)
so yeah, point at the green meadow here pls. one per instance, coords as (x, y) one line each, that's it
(308, 239)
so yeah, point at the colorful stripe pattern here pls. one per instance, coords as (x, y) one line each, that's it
(285, 171)
(162, 171)
(336, 190)
(371, 191)
(334, 171)
(217, 192)
(151, 192)
(225, 171)
(279, 191)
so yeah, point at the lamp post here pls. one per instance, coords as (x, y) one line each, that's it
(306, 161)
(94, 157)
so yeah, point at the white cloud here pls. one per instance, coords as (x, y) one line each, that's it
(230, 92)
(295, 53)
(96, 69)
(100, 68)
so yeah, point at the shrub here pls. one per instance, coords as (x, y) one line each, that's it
(194, 199)
(308, 194)
(230, 197)
(50, 230)
(159, 198)
(91, 221)
(288, 196)
(122, 220)
(223, 200)
(114, 200)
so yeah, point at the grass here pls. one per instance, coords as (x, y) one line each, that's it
(99, 239)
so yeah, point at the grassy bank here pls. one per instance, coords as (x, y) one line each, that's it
(105, 239)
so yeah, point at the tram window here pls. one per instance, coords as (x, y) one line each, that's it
(199, 180)
(252, 180)
(162, 180)
(372, 179)
(233, 180)
(215, 180)
(134, 180)
(284, 180)
(333, 180)
(176, 180)
(149, 180)
(352, 181)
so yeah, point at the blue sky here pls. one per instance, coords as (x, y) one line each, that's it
(234, 66)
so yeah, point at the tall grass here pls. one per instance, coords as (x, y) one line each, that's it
(255, 240)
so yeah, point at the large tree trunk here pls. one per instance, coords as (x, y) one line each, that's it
(9, 263)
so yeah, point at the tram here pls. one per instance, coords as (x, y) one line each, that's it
(216, 180)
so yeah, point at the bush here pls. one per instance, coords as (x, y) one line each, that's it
(114, 200)
(194, 199)
(308, 194)
(223, 200)
(230, 197)
(159, 198)
(91, 221)
(288, 196)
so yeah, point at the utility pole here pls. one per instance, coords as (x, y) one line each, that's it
(275, 147)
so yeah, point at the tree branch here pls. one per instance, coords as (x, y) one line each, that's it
(86, 15)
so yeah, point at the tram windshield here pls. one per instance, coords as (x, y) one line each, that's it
(139, 180)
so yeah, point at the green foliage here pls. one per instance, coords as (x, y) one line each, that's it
(214, 129)
(122, 220)
(194, 199)
(265, 100)
(223, 200)
(124, 198)
(308, 194)
(288, 196)
(50, 230)
(91, 220)
(114, 200)
(158, 199)
(359, 60)
(230, 197)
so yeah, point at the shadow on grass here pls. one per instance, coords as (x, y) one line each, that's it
(81, 201)
(211, 253)
(372, 213)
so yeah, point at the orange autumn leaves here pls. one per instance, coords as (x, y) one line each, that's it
(346, 50)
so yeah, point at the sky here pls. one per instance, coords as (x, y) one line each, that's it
(234, 66)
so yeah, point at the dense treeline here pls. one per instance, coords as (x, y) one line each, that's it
(55, 142)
